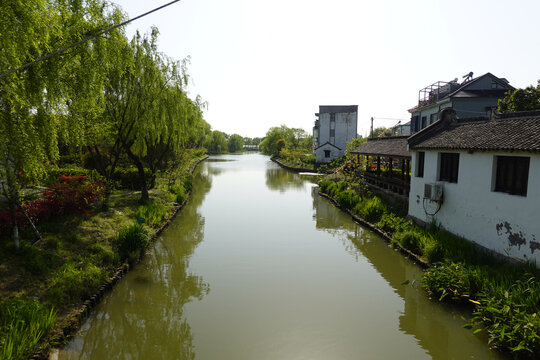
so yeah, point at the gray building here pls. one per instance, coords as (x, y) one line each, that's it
(334, 128)
(473, 97)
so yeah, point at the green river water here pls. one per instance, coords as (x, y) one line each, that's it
(258, 266)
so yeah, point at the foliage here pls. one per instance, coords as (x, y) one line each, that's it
(73, 194)
(297, 158)
(22, 324)
(371, 209)
(179, 191)
(521, 100)
(132, 242)
(74, 282)
(391, 223)
(216, 142)
(351, 145)
(152, 213)
(348, 199)
(236, 143)
(34, 101)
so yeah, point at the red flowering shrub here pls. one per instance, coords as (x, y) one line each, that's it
(73, 194)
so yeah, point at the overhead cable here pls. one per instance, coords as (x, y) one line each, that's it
(45, 57)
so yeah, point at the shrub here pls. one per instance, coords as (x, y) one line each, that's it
(128, 178)
(179, 191)
(370, 209)
(132, 242)
(411, 240)
(152, 213)
(451, 281)
(22, 324)
(324, 185)
(348, 199)
(431, 249)
(390, 222)
(188, 184)
(73, 194)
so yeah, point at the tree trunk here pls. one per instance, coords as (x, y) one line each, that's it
(142, 177)
(14, 225)
(106, 196)
(34, 228)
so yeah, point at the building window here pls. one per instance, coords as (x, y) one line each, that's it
(424, 120)
(332, 132)
(420, 164)
(433, 118)
(326, 153)
(414, 123)
(512, 174)
(449, 165)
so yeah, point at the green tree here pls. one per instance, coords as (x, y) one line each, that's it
(236, 143)
(216, 142)
(521, 100)
(270, 143)
(34, 101)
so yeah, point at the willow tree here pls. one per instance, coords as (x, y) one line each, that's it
(34, 100)
(149, 112)
(27, 125)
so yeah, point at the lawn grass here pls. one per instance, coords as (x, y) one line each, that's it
(76, 256)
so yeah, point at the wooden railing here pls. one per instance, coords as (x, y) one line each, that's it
(393, 184)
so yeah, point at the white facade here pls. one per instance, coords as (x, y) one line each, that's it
(336, 126)
(508, 224)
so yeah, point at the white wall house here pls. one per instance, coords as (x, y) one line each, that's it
(489, 173)
(334, 128)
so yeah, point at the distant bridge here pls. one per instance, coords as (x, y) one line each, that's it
(251, 147)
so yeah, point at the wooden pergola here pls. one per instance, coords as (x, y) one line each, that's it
(388, 163)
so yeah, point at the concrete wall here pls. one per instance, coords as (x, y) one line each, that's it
(473, 107)
(507, 224)
(334, 153)
(345, 127)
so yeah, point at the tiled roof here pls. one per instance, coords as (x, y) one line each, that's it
(510, 132)
(384, 146)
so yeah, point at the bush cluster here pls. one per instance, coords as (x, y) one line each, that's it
(151, 213)
(506, 302)
(73, 194)
(132, 242)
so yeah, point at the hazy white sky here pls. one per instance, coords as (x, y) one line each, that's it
(265, 63)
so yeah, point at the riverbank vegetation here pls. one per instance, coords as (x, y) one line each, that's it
(96, 145)
(291, 146)
(504, 297)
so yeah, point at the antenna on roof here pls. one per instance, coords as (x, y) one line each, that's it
(468, 76)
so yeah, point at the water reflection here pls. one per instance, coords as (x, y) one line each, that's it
(282, 180)
(148, 303)
(281, 285)
(437, 327)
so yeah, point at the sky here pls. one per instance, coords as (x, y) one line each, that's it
(261, 64)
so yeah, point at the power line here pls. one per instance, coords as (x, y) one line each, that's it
(45, 57)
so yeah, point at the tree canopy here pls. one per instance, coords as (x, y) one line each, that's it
(110, 96)
(521, 100)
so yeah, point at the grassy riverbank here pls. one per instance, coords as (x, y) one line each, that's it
(504, 297)
(41, 284)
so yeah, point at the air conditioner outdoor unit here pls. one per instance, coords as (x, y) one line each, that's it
(433, 191)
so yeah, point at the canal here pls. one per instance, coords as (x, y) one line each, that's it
(258, 266)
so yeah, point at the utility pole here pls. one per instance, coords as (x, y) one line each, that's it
(371, 133)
